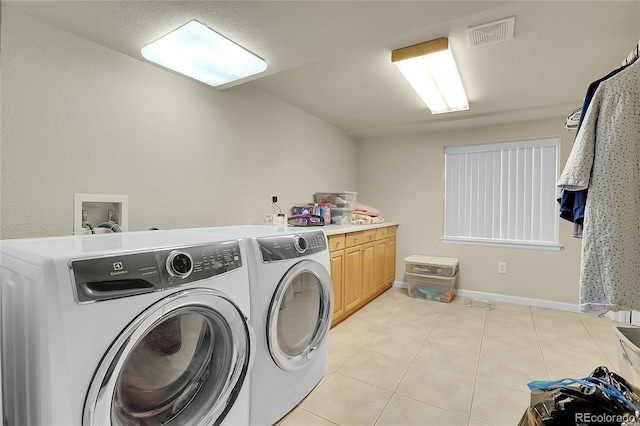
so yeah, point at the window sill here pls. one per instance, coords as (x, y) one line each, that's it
(530, 245)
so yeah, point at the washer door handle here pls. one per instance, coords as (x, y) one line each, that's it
(109, 289)
(311, 352)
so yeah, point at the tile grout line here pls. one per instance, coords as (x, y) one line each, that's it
(418, 351)
(369, 384)
(411, 364)
(394, 392)
(475, 381)
(544, 358)
(538, 322)
(317, 415)
(593, 337)
(361, 347)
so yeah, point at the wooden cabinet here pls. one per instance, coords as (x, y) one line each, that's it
(381, 263)
(390, 260)
(352, 278)
(337, 281)
(336, 242)
(369, 236)
(353, 239)
(363, 266)
(390, 255)
(367, 270)
(337, 261)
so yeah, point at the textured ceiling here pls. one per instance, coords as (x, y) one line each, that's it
(332, 58)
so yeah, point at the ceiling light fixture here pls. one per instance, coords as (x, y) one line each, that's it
(201, 53)
(430, 69)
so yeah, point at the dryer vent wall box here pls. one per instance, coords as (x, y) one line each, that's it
(275, 219)
(94, 209)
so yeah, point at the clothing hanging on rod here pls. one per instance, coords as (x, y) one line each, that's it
(575, 117)
(605, 159)
(572, 202)
(633, 56)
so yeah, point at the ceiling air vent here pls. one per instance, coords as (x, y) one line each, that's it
(491, 32)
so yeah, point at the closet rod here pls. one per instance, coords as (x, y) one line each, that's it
(574, 118)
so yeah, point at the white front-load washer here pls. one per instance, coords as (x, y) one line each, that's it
(291, 307)
(134, 328)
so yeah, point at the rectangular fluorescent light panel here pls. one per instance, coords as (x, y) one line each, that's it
(430, 69)
(201, 53)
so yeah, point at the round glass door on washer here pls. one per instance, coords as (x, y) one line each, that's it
(182, 361)
(299, 317)
(291, 306)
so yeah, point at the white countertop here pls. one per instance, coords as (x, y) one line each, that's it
(343, 229)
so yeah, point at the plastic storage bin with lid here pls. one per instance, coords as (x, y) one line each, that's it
(431, 265)
(342, 200)
(342, 204)
(431, 278)
(341, 216)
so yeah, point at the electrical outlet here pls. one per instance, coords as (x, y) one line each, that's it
(274, 199)
(502, 267)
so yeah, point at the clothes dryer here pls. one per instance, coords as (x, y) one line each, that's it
(129, 328)
(291, 307)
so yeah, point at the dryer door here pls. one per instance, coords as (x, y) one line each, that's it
(299, 315)
(182, 361)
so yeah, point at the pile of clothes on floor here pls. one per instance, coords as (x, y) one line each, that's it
(602, 398)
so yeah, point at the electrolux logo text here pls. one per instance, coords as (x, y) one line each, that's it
(118, 267)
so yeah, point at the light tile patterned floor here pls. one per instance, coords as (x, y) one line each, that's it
(404, 361)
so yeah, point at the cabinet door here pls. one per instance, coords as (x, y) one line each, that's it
(337, 281)
(368, 276)
(381, 264)
(352, 277)
(390, 260)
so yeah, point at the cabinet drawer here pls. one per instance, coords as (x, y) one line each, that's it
(369, 236)
(336, 242)
(391, 231)
(354, 239)
(382, 233)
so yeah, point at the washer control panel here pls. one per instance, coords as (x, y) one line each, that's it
(188, 264)
(179, 264)
(282, 247)
(128, 274)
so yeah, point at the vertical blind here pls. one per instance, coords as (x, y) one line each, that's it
(503, 192)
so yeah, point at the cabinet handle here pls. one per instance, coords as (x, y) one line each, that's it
(388, 243)
(355, 239)
(338, 242)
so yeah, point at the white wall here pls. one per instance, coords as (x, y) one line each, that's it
(80, 118)
(404, 178)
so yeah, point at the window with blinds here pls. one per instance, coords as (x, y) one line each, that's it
(502, 194)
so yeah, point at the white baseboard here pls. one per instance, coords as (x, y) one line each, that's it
(400, 284)
(516, 300)
(622, 316)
